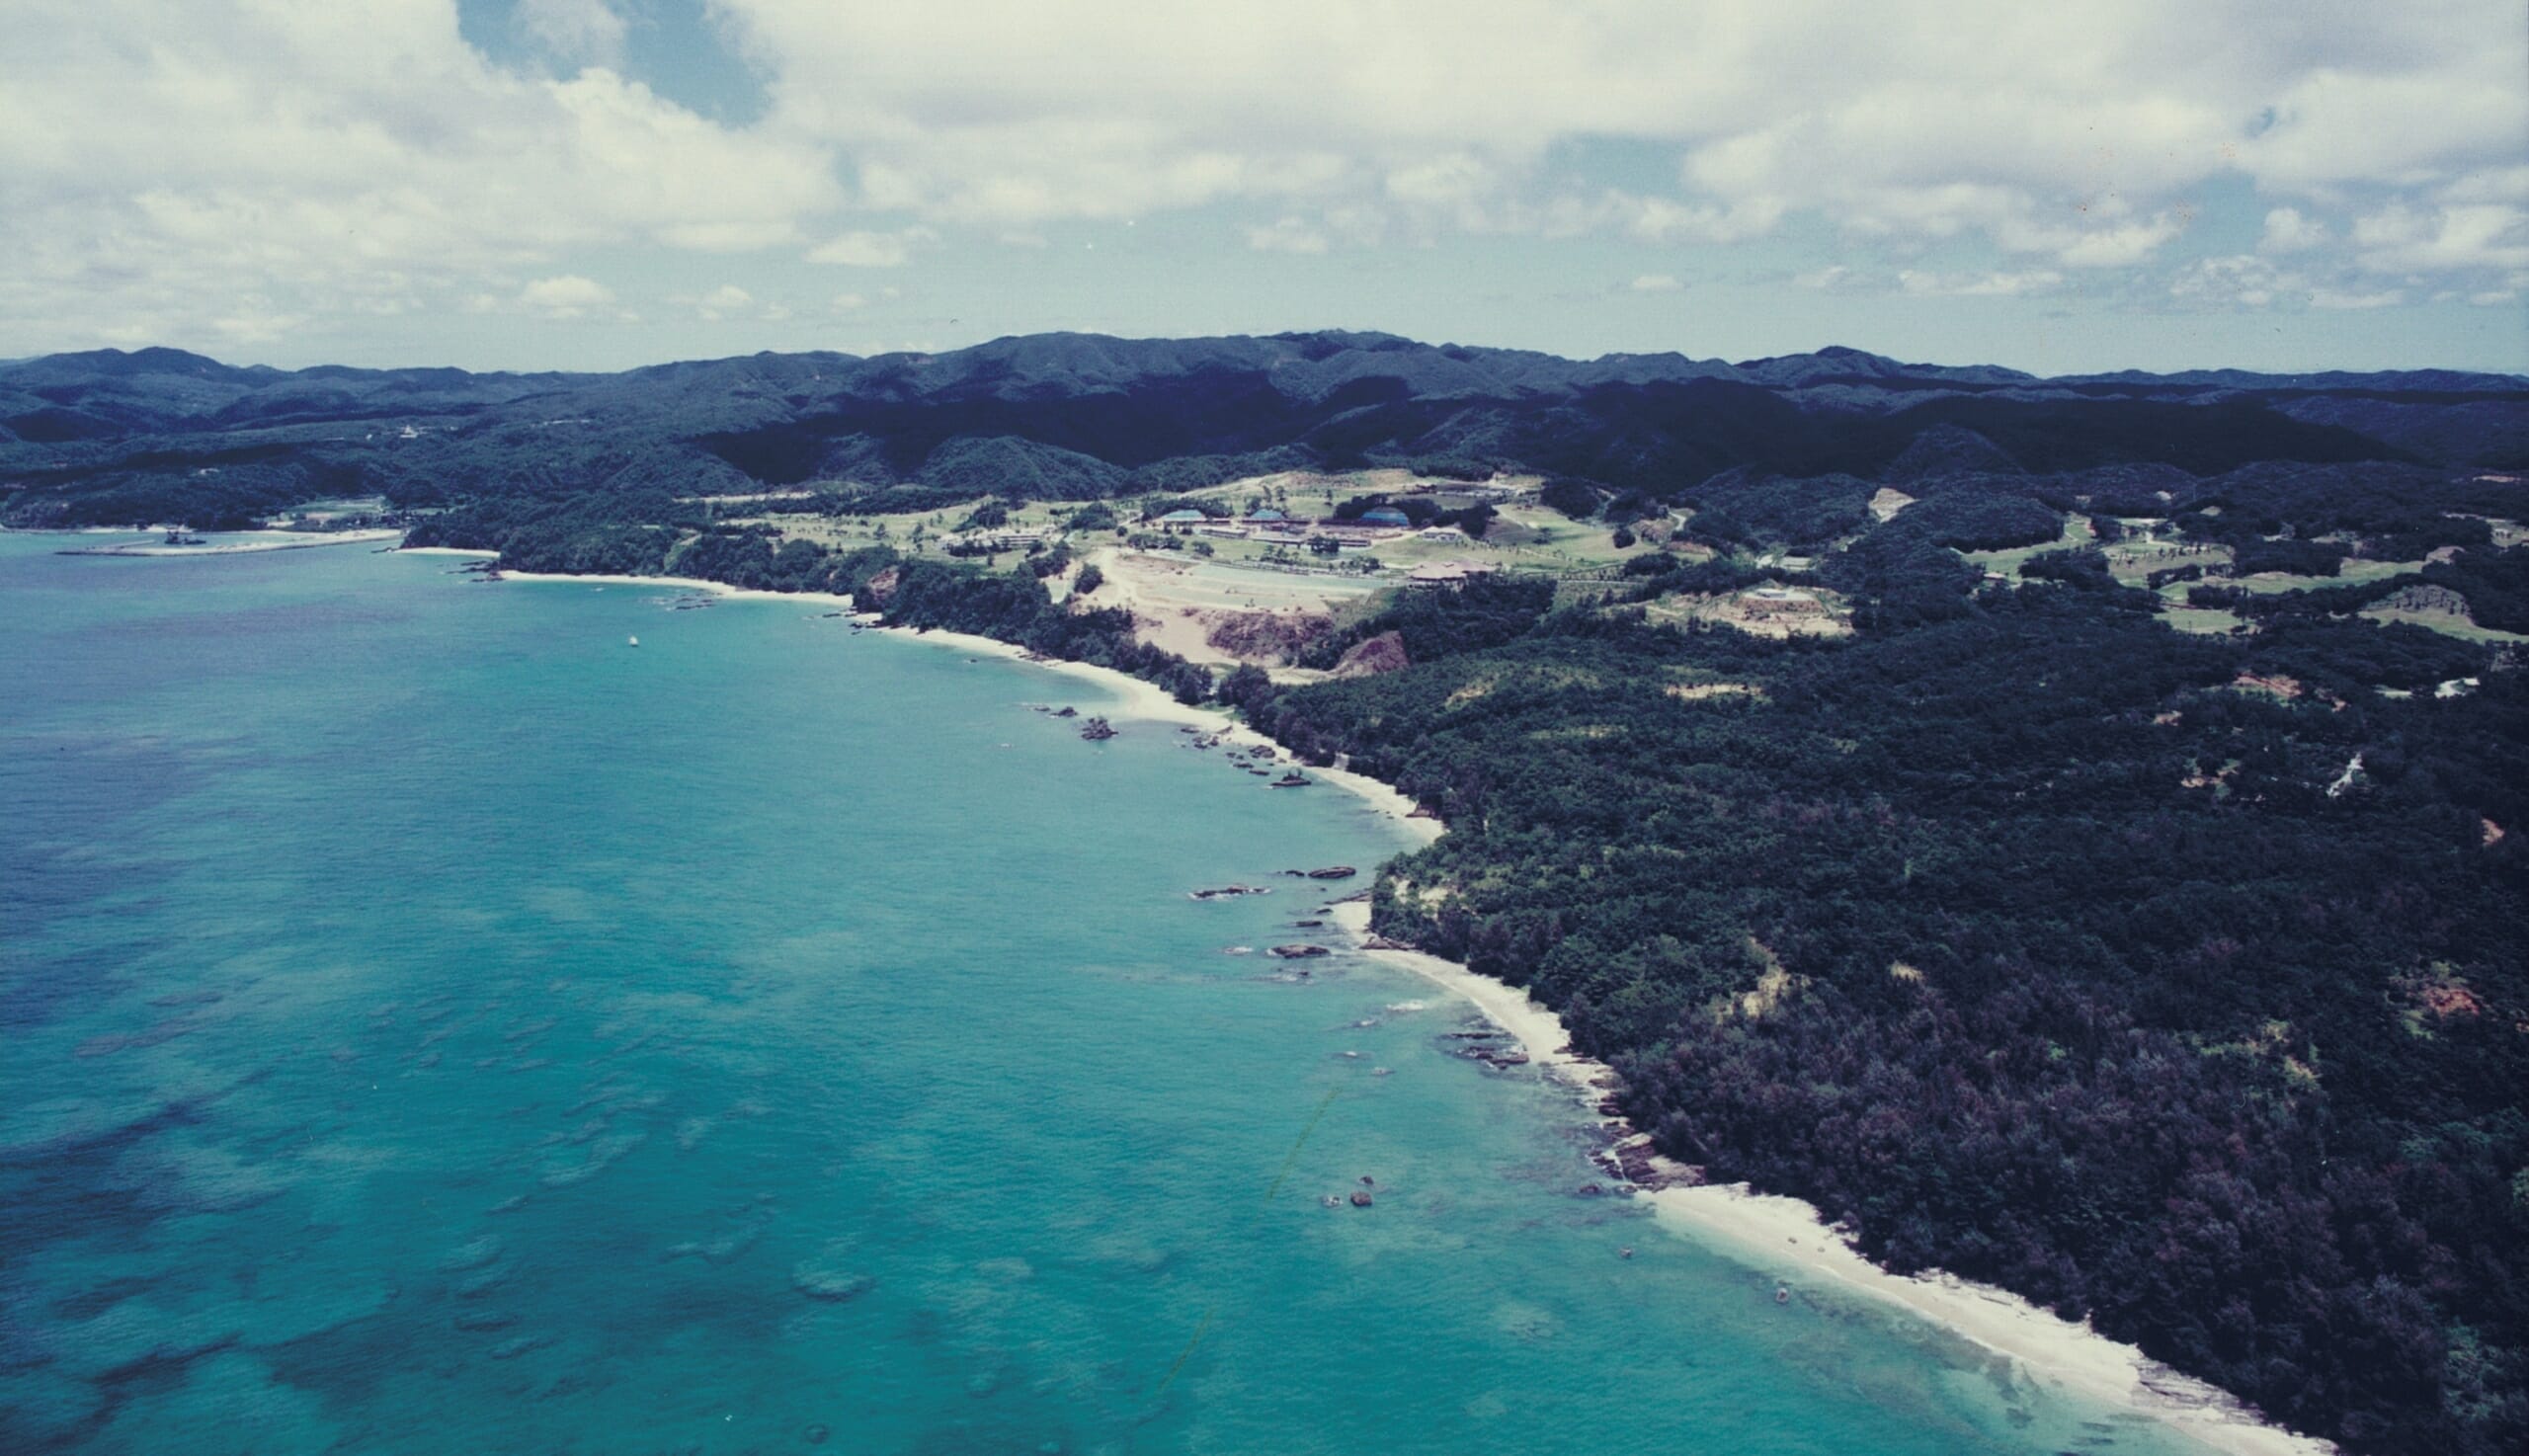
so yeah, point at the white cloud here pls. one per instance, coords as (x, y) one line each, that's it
(725, 301)
(1655, 282)
(848, 302)
(2336, 298)
(581, 31)
(863, 248)
(160, 162)
(2287, 232)
(565, 295)
(1659, 220)
(1978, 284)
(1912, 120)
(2108, 247)
(2468, 237)
(2245, 280)
(336, 160)
(1287, 235)
(2242, 280)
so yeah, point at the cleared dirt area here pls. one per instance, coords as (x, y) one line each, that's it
(1209, 611)
(1765, 612)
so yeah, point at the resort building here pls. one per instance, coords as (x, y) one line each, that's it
(1450, 574)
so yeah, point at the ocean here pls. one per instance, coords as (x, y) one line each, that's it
(433, 1024)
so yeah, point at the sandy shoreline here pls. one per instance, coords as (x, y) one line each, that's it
(1148, 702)
(291, 541)
(1777, 1234)
(679, 583)
(1784, 1237)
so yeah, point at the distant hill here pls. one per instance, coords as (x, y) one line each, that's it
(107, 436)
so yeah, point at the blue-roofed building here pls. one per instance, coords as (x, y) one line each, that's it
(1262, 514)
(1182, 518)
(1385, 515)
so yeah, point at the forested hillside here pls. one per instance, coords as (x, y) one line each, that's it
(110, 438)
(2127, 907)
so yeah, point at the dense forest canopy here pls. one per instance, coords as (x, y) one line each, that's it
(2171, 978)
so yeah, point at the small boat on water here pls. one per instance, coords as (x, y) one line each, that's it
(634, 642)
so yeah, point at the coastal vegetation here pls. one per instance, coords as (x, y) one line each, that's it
(2123, 904)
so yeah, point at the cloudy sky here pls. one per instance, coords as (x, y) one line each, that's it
(2286, 183)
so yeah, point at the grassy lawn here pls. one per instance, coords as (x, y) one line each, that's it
(2077, 535)
(2209, 622)
(2451, 623)
(2352, 573)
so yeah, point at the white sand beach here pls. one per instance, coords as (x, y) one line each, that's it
(1785, 1237)
(1148, 702)
(677, 583)
(267, 541)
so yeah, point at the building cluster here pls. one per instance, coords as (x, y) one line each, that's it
(1271, 527)
(998, 538)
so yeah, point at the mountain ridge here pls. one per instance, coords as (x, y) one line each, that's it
(109, 435)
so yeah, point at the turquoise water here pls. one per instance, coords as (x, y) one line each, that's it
(433, 1025)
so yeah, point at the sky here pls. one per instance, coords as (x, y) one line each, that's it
(597, 184)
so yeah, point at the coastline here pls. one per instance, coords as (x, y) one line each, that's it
(1786, 1238)
(290, 542)
(679, 582)
(1148, 702)
(1136, 696)
(1777, 1234)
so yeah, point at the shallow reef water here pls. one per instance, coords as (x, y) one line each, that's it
(434, 1025)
